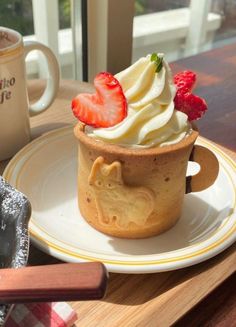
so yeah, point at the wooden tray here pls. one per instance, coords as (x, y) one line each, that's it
(133, 300)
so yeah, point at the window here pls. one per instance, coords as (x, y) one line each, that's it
(178, 28)
(119, 34)
(46, 21)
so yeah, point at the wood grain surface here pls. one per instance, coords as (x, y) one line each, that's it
(161, 299)
(217, 310)
(216, 82)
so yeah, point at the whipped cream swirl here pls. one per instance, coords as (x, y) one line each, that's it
(152, 119)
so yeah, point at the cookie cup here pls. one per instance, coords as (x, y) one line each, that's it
(138, 193)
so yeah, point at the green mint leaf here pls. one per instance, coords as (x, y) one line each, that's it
(159, 65)
(158, 61)
(154, 57)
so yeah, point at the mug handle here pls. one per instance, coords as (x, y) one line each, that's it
(209, 169)
(52, 82)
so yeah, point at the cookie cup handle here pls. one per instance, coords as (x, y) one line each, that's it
(209, 169)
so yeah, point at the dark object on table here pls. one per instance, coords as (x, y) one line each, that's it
(15, 211)
(87, 281)
(51, 283)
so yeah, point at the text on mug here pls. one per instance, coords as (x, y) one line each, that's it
(5, 84)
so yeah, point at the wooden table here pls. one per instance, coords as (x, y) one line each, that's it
(163, 299)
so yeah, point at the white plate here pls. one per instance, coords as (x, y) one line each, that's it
(46, 169)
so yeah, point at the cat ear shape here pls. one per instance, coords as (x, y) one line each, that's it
(113, 171)
(96, 170)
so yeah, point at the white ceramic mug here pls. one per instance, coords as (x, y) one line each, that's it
(14, 105)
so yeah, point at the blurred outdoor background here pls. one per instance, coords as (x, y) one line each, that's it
(18, 14)
(166, 25)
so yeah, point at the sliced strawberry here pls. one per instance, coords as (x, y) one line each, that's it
(192, 105)
(107, 107)
(185, 80)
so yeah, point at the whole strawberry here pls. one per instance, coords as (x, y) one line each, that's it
(192, 105)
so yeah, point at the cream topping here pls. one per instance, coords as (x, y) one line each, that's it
(152, 119)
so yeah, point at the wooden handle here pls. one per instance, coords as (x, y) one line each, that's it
(60, 282)
(209, 169)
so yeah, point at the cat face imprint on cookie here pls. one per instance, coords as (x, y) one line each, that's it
(117, 202)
